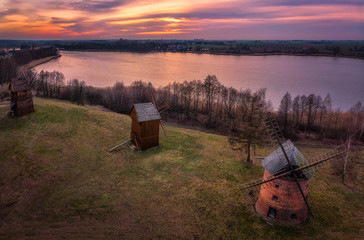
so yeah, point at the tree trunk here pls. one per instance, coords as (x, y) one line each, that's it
(248, 160)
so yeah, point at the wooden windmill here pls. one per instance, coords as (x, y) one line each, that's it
(146, 119)
(21, 93)
(284, 186)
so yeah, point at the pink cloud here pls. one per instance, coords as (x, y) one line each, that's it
(321, 19)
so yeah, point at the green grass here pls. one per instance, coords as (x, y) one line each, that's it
(63, 184)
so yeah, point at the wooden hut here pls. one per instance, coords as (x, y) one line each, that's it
(21, 97)
(280, 201)
(145, 125)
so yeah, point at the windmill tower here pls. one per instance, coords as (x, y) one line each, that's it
(146, 119)
(283, 197)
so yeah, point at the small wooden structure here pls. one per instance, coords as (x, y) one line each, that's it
(145, 125)
(21, 97)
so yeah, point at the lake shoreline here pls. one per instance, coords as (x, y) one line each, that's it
(222, 54)
(298, 75)
(40, 61)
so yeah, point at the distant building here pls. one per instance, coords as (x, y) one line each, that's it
(21, 97)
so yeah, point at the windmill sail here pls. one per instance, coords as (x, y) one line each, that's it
(333, 155)
(165, 107)
(287, 167)
(164, 128)
(153, 99)
(288, 152)
(273, 129)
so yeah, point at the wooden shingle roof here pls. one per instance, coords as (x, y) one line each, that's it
(146, 112)
(19, 84)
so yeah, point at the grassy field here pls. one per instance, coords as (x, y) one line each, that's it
(57, 181)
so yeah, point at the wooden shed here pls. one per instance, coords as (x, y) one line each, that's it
(145, 125)
(21, 97)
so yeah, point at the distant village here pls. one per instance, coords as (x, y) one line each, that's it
(231, 47)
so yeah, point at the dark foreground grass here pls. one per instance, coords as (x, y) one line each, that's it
(59, 182)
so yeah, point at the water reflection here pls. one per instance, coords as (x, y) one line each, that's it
(343, 78)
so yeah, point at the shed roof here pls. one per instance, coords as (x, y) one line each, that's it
(276, 162)
(146, 112)
(19, 84)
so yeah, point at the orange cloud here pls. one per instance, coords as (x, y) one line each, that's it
(185, 18)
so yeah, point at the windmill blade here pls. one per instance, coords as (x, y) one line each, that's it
(160, 110)
(165, 107)
(273, 129)
(151, 94)
(164, 128)
(333, 155)
(266, 180)
(336, 154)
(276, 135)
(136, 142)
(260, 181)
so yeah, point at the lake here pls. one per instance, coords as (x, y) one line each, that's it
(343, 78)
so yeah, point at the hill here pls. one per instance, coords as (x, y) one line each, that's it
(57, 181)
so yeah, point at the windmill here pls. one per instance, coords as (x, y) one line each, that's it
(21, 93)
(284, 186)
(146, 119)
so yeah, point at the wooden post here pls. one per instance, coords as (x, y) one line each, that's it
(361, 132)
(346, 160)
(117, 146)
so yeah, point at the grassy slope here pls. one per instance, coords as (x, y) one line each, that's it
(59, 182)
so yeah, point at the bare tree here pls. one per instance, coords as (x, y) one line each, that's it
(310, 106)
(249, 129)
(233, 96)
(303, 100)
(197, 90)
(285, 108)
(296, 110)
(210, 86)
(325, 107)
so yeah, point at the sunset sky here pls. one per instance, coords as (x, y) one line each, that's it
(182, 19)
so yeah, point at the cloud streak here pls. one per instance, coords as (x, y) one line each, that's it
(220, 19)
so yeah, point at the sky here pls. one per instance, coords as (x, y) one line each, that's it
(182, 19)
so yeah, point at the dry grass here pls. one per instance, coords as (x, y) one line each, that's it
(58, 182)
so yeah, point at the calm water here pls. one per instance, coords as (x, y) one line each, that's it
(343, 78)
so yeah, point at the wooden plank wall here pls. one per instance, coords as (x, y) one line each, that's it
(147, 132)
(23, 101)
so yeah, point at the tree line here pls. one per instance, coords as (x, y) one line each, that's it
(247, 47)
(126, 45)
(210, 104)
